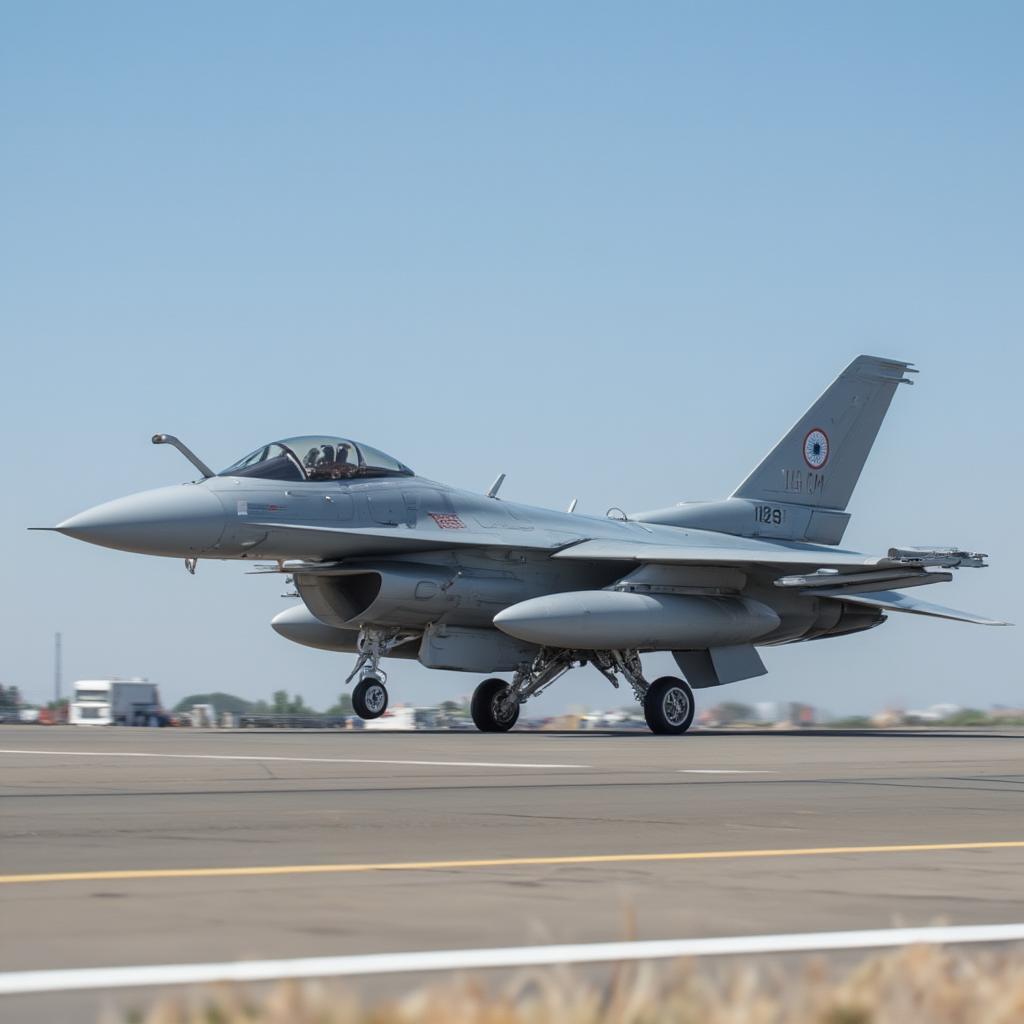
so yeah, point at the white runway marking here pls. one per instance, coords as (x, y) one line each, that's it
(725, 771)
(301, 760)
(512, 956)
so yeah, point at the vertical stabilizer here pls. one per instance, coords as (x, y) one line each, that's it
(818, 462)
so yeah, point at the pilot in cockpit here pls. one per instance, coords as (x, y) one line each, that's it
(341, 462)
(316, 458)
(328, 462)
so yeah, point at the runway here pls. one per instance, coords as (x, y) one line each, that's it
(122, 847)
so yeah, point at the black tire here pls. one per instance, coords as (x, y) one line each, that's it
(668, 706)
(370, 698)
(486, 707)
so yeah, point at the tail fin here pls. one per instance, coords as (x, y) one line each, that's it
(817, 464)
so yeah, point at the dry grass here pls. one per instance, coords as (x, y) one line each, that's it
(919, 984)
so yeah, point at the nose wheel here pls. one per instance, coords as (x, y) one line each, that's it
(668, 706)
(370, 698)
(494, 708)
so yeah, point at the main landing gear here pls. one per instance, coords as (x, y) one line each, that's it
(370, 694)
(667, 702)
(668, 706)
(493, 707)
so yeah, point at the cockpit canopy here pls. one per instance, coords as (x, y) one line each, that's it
(316, 458)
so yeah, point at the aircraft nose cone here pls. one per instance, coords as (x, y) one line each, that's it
(178, 521)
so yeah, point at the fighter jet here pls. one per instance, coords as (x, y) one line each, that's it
(389, 565)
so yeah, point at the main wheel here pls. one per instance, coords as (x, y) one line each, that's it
(668, 706)
(490, 711)
(370, 698)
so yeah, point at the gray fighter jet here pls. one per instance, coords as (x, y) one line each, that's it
(389, 564)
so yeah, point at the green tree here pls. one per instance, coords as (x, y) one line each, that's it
(10, 697)
(282, 704)
(967, 716)
(731, 711)
(221, 701)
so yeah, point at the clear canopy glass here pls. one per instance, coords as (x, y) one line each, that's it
(316, 458)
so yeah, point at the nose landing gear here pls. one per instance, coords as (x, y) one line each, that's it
(370, 697)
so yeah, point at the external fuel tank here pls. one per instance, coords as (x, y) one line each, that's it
(614, 620)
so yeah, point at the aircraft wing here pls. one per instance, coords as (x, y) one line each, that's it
(744, 551)
(569, 546)
(752, 553)
(892, 600)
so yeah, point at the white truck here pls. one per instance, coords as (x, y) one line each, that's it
(116, 702)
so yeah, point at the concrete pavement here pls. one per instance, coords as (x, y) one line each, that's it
(493, 840)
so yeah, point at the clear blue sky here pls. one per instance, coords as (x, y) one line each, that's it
(610, 249)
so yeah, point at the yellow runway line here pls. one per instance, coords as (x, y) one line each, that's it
(494, 862)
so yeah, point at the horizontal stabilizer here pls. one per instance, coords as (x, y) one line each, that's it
(893, 601)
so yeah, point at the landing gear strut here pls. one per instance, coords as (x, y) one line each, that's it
(370, 695)
(495, 703)
(667, 702)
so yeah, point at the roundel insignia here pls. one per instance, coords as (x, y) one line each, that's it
(816, 448)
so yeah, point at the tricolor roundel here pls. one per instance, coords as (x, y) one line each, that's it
(816, 448)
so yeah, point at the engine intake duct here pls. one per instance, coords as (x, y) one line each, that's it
(614, 620)
(404, 594)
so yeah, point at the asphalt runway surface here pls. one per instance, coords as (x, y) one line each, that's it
(127, 846)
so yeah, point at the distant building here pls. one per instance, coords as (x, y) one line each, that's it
(1001, 713)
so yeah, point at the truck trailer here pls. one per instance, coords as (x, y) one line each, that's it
(116, 702)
